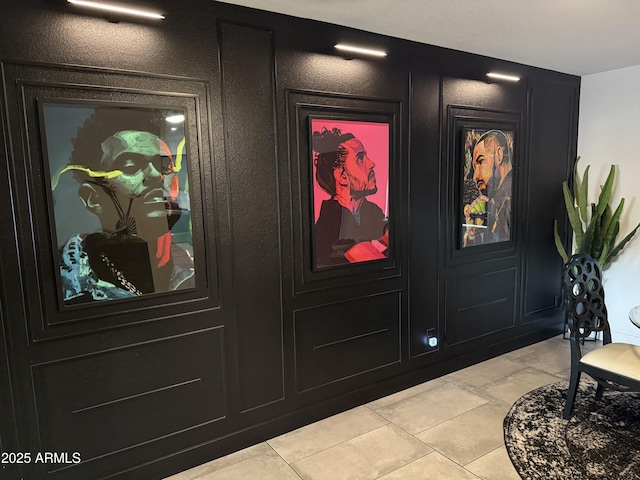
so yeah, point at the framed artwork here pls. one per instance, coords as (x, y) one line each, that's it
(119, 199)
(350, 194)
(487, 186)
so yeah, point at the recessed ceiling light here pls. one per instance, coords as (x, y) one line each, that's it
(365, 51)
(117, 9)
(502, 76)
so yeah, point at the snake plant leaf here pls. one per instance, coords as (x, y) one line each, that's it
(612, 244)
(559, 245)
(597, 239)
(587, 239)
(614, 224)
(572, 212)
(596, 228)
(607, 217)
(576, 178)
(620, 246)
(603, 255)
(605, 193)
(581, 192)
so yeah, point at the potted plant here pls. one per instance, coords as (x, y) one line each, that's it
(595, 226)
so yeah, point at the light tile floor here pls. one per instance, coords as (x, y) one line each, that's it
(449, 428)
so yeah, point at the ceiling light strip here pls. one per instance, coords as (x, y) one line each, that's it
(365, 51)
(117, 9)
(502, 76)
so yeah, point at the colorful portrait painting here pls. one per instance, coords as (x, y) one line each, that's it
(120, 200)
(487, 188)
(350, 165)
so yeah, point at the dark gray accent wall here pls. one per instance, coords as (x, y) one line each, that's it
(264, 342)
(248, 101)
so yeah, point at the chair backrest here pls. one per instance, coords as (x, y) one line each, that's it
(584, 296)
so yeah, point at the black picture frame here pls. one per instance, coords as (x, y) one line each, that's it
(303, 106)
(37, 254)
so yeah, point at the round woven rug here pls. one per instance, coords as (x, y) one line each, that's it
(601, 441)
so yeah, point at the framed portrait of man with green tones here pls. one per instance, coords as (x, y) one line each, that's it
(119, 199)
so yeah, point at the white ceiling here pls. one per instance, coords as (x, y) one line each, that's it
(579, 37)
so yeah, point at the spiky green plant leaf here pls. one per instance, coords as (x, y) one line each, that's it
(581, 193)
(597, 239)
(572, 212)
(596, 229)
(606, 220)
(612, 243)
(620, 246)
(603, 255)
(605, 192)
(613, 227)
(559, 245)
(587, 239)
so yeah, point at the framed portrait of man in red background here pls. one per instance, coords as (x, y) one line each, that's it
(350, 195)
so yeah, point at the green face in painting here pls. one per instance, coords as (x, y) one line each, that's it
(147, 175)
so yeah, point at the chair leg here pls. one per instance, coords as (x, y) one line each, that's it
(571, 393)
(599, 392)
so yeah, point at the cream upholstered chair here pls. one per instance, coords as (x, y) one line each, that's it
(614, 365)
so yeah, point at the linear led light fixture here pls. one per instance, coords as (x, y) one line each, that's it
(117, 9)
(501, 76)
(365, 51)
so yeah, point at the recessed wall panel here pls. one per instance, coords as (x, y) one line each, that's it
(248, 100)
(345, 339)
(479, 305)
(108, 402)
(551, 133)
